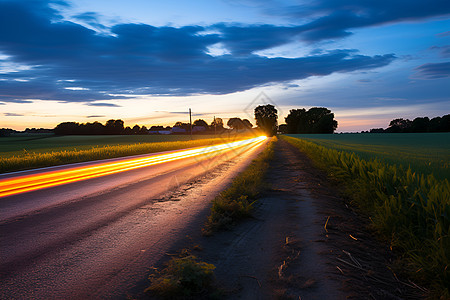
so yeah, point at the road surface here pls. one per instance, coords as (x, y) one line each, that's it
(98, 237)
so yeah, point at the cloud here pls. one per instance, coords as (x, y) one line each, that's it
(334, 19)
(95, 116)
(103, 104)
(13, 115)
(444, 50)
(139, 59)
(433, 70)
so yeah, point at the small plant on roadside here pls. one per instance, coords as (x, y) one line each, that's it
(184, 278)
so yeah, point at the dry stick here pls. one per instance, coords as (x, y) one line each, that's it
(340, 270)
(352, 258)
(326, 224)
(259, 283)
(350, 264)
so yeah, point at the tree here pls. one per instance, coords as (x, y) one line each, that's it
(297, 121)
(200, 122)
(399, 125)
(247, 124)
(114, 127)
(217, 123)
(235, 123)
(266, 118)
(315, 120)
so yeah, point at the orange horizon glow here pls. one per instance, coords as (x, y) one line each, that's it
(27, 183)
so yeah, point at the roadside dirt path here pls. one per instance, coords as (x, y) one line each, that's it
(285, 251)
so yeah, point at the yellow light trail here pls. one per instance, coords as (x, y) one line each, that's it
(27, 183)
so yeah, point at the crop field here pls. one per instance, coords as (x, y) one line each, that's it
(427, 153)
(20, 153)
(409, 206)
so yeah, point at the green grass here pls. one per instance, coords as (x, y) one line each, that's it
(427, 153)
(15, 146)
(409, 209)
(236, 202)
(184, 278)
(70, 149)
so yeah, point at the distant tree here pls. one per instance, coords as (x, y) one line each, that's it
(136, 129)
(114, 127)
(297, 121)
(200, 122)
(235, 123)
(67, 128)
(376, 130)
(399, 125)
(143, 130)
(247, 124)
(266, 118)
(217, 123)
(185, 126)
(321, 120)
(128, 131)
(315, 120)
(420, 125)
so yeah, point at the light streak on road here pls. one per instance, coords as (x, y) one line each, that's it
(27, 183)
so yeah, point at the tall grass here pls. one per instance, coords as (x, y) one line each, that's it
(30, 160)
(236, 202)
(410, 210)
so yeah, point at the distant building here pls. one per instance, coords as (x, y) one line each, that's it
(198, 129)
(177, 129)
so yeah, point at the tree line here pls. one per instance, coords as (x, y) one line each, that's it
(116, 127)
(419, 124)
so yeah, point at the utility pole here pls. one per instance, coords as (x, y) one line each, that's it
(190, 122)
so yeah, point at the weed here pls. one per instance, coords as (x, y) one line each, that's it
(184, 278)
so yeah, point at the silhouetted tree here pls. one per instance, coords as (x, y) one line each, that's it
(315, 120)
(399, 125)
(266, 118)
(247, 124)
(235, 123)
(201, 122)
(185, 126)
(114, 127)
(217, 123)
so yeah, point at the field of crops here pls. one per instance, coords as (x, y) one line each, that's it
(27, 152)
(427, 153)
(409, 206)
(13, 146)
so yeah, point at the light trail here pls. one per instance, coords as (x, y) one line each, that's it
(27, 183)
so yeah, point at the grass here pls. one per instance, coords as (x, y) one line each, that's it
(184, 277)
(236, 202)
(73, 149)
(409, 209)
(427, 153)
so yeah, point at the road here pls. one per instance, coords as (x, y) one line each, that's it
(97, 237)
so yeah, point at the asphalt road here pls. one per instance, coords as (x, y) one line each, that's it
(97, 238)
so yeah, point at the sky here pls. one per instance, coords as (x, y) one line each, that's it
(147, 62)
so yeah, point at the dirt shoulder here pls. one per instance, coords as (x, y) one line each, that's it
(286, 252)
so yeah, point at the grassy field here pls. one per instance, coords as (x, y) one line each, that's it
(427, 153)
(21, 153)
(14, 146)
(409, 207)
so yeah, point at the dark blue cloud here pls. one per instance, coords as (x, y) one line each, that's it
(433, 70)
(334, 19)
(103, 104)
(13, 115)
(143, 59)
